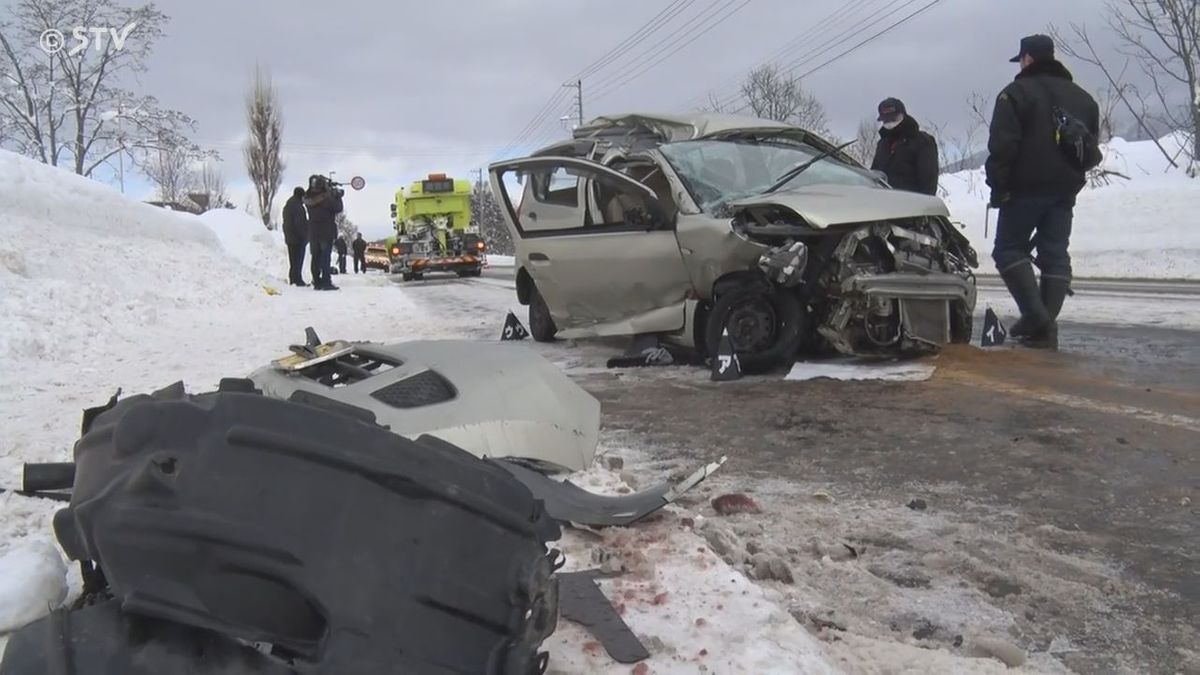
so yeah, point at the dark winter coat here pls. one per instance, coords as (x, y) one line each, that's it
(322, 207)
(360, 246)
(908, 156)
(295, 221)
(340, 246)
(1023, 158)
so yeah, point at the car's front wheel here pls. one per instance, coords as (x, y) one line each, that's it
(541, 324)
(765, 326)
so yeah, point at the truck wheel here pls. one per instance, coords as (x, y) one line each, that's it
(541, 324)
(765, 327)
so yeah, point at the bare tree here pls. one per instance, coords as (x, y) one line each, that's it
(716, 105)
(60, 101)
(263, 148)
(1081, 47)
(171, 170)
(211, 185)
(773, 95)
(863, 150)
(345, 227)
(1163, 36)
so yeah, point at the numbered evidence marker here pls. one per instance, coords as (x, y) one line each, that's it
(993, 331)
(726, 366)
(513, 330)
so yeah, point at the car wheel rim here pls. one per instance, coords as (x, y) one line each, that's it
(752, 325)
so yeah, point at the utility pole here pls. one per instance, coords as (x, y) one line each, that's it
(478, 179)
(578, 85)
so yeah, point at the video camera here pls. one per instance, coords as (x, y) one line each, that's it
(356, 183)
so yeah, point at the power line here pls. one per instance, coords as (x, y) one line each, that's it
(881, 33)
(687, 34)
(643, 32)
(791, 46)
(833, 42)
(658, 20)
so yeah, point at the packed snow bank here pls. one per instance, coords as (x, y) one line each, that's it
(83, 266)
(1143, 227)
(245, 238)
(33, 581)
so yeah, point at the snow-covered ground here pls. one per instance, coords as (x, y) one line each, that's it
(1143, 227)
(83, 320)
(100, 293)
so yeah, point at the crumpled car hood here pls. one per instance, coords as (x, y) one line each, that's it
(823, 205)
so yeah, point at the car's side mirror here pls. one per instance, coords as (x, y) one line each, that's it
(881, 176)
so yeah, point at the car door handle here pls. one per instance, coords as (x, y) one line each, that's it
(532, 215)
(540, 257)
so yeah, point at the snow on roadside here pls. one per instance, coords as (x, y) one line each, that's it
(82, 267)
(33, 581)
(245, 238)
(1143, 227)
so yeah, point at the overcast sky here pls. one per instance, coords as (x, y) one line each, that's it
(395, 90)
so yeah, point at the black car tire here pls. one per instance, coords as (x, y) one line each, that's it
(541, 324)
(750, 307)
(407, 276)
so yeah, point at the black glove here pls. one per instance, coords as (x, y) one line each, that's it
(998, 199)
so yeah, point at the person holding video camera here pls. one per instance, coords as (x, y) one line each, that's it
(324, 202)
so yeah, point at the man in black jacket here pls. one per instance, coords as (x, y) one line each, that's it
(360, 254)
(906, 154)
(295, 235)
(323, 204)
(340, 247)
(1034, 186)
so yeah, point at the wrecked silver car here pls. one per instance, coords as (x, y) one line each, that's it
(686, 227)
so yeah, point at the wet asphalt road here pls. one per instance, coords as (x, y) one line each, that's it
(1139, 355)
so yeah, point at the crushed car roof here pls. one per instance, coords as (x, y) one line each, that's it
(679, 127)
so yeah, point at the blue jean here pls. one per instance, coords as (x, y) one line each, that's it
(321, 252)
(1042, 223)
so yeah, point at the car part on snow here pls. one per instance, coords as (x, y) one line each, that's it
(570, 503)
(513, 330)
(231, 512)
(47, 476)
(581, 600)
(994, 332)
(494, 400)
(726, 366)
(91, 640)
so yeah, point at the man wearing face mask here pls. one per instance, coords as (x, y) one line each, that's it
(907, 155)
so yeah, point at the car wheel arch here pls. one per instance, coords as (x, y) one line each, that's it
(524, 286)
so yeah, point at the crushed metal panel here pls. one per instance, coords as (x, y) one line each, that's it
(509, 401)
(568, 502)
(824, 205)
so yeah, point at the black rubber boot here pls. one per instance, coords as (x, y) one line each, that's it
(1054, 292)
(1022, 285)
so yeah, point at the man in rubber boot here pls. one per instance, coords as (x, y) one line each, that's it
(1034, 186)
(295, 235)
(907, 155)
(323, 204)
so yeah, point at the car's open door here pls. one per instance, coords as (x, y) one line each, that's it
(599, 245)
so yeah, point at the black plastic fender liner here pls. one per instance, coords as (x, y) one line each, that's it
(348, 547)
(570, 503)
(101, 640)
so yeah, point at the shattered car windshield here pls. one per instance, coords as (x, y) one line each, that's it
(718, 172)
